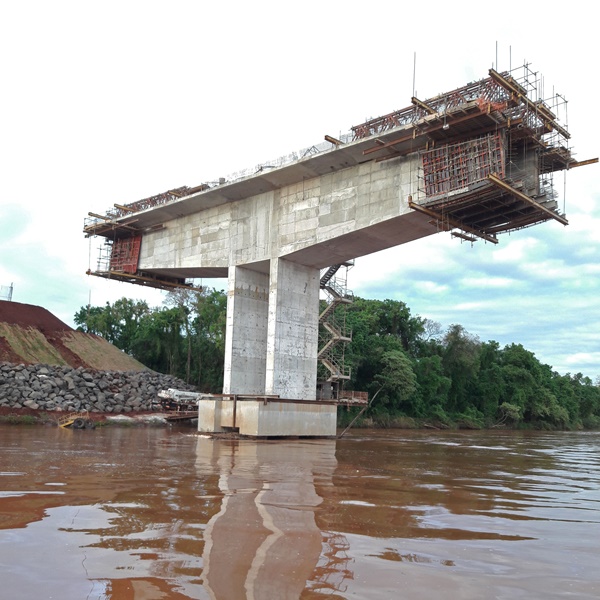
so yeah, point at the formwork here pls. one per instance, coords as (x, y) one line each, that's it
(125, 254)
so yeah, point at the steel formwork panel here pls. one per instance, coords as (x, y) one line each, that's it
(454, 167)
(125, 254)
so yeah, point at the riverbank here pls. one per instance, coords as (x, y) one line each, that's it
(40, 394)
(27, 416)
(49, 388)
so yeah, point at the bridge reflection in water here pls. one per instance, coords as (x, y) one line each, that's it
(264, 541)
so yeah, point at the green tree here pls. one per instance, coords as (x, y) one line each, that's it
(397, 381)
(184, 300)
(116, 323)
(159, 342)
(461, 365)
(530, 387)
(208, 327)
(433, 385)
(488, 390)
(98, 320)
(127, 314)
(420, 373)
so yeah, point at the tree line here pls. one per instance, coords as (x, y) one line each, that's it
(185, 337)
(422, 375)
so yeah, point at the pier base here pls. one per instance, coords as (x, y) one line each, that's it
(267, 417)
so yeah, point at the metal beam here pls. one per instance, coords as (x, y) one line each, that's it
(381, 146)
(427, 128)
(160, 284)
(124, 208)
(582, 163)
(422, 105)
(333, 140)
(544, 113)
(97, 216)
(521, 196)
(462, 236)
(452, 222)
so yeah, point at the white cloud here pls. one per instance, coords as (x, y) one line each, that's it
(430, 287)
(515, 250)
(470, 306)
(484, 281)
(583, 358)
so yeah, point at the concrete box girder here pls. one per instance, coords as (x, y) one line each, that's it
(342, 208)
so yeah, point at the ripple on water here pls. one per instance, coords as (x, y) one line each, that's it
(357, 503)
(17, 494)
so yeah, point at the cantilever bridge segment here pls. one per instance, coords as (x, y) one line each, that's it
(477, 161)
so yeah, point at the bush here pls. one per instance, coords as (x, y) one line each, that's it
(13, 419)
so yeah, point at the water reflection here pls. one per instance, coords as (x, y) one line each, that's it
(264, 541)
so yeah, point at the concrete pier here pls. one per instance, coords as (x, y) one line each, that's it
(246, 331)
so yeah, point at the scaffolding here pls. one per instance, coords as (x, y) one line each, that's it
(95, 224)
(486, 152)
(333, 335)
(509, 93)
(118, 260)
(510, 105)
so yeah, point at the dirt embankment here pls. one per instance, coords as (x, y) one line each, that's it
(32, 335)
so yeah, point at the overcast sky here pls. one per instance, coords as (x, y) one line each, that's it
(116, 101)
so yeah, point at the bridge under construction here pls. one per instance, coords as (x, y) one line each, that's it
(477, 161)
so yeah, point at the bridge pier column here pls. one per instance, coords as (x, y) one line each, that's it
(246, 331)
(272, 331)
(293, 331)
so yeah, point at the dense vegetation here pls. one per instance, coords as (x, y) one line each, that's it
(421, 374)
(185, 337)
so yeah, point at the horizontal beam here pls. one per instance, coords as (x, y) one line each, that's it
(333, 140)
(108, 225)
(124, 208)
(582, 163)
(462, 236)
(420, 129)
(521, 196)
(454, 223)
(422, 105)
(141, 280)
(97, 216)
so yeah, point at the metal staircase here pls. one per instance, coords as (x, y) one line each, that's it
(332, 333)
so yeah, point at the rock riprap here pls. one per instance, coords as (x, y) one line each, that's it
(63, 388)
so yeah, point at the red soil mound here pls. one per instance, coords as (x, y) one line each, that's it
(31, 334)
(28, 315)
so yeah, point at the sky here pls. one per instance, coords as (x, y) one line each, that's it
(118, 101)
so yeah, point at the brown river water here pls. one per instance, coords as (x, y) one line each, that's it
(163, 513)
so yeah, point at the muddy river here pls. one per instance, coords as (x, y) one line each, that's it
(161, 514)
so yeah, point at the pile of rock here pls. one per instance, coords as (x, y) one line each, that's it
(58, 388)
